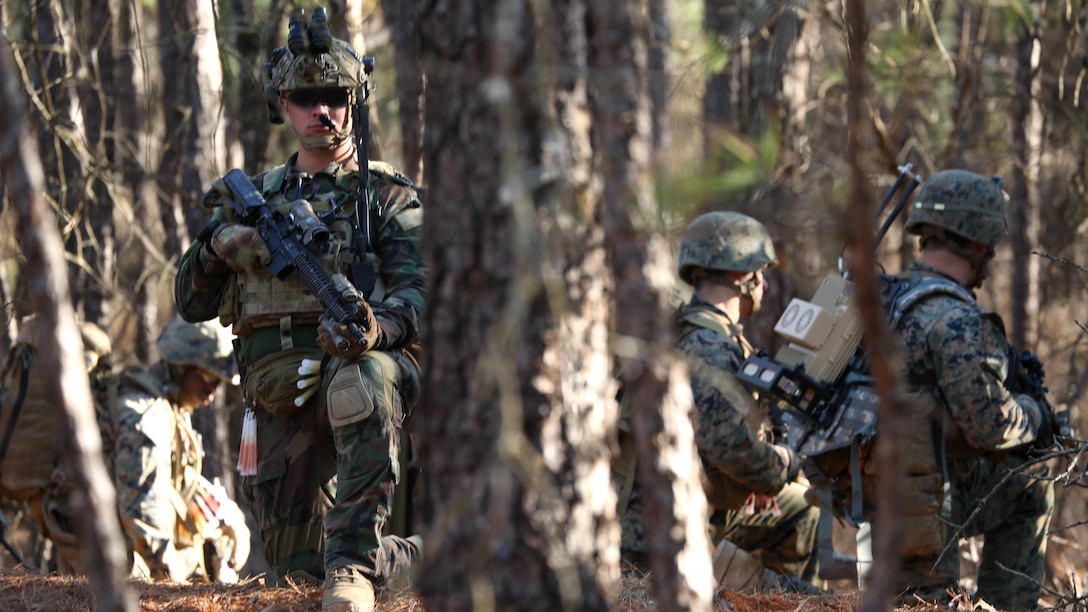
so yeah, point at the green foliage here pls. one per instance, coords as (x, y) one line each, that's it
(716, 59)
(745, 165)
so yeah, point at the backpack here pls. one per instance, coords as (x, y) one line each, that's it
(29, 442)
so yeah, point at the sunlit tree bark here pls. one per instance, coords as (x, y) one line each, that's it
(93, 501)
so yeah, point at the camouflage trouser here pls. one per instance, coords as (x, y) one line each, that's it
(1013, 522)
(785, 543)
(325, 475)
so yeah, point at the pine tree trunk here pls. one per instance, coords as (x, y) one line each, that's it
(93, 501)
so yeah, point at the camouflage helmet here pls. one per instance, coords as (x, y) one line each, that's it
(963, 203)
(725, 241)
(206, 344)
(313, 59)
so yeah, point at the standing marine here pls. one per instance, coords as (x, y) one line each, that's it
(967, 438)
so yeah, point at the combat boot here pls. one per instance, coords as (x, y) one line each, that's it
(347, 590)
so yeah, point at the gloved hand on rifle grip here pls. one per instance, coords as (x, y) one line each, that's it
(241, 247)
(336, 337)
(1042, 417)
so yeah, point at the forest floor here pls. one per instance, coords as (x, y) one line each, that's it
(22, 590)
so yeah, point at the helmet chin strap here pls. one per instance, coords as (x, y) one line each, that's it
(981, 266)
(746, 289)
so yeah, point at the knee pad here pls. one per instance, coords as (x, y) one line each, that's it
(361, 387)
(348, 398)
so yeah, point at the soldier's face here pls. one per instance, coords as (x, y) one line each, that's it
(198, 387)
(318, 116)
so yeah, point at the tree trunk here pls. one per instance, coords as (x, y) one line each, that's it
(403, 18)
(722, 85)
(658, 66)
(346, 21)
(98, 250)
(968, 119)
(93, 500)
(797, 49)
(657, 391)
(255, 35)
(887, 537)
(131, 192)
(516, 492)
(194, 152)
(1026, 125)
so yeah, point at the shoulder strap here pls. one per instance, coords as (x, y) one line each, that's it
(706, 319)
(388, 171)
(903, 293)
(385, 173)
(23, 356)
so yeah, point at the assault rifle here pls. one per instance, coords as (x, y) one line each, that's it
(290, 239)
(1027, 376)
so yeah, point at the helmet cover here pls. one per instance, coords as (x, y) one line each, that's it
(312, 59)
(725, 240)
(206, 344)
(963, 203)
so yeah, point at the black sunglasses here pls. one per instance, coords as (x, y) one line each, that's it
(309, 98)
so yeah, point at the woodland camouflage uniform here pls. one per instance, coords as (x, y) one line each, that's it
(326, 469)
(956, 352)
(736, 445)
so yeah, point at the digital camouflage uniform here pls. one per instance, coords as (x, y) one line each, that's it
(735, 443)
(956, 352)
(732, 431)
(326, 471)
(959, 352)
(156, 458)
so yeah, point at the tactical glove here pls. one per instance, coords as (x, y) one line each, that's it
(337, 340)
(241, 247)
(336, 337)
(1042, 416)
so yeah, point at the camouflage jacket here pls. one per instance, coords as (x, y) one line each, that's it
(154, 459)
(203, 288)
(959, 352)
(730, 427)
